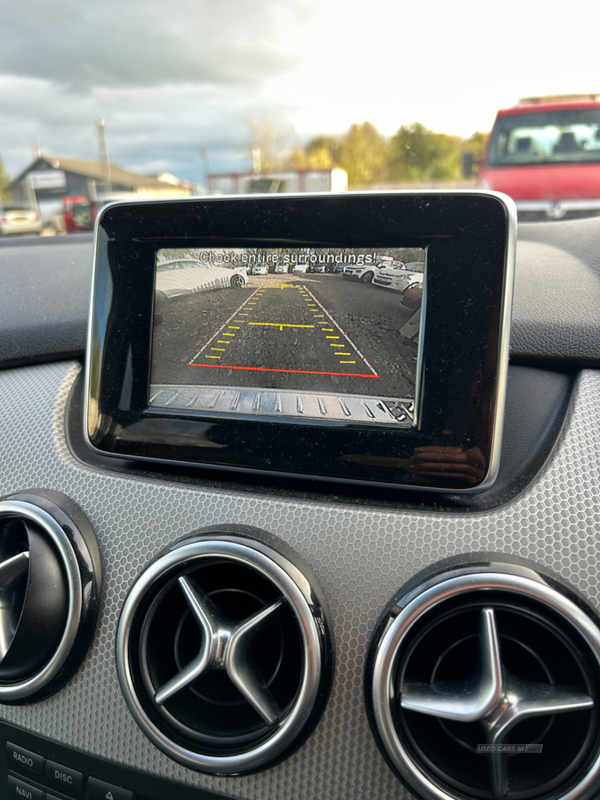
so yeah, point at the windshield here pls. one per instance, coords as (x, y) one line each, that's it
(147, 100)
(567, 136)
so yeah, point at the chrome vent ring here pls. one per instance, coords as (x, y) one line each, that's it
(224, 653)
(483, 682)
(49, 593)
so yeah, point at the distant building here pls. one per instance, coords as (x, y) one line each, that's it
(50, 178)
(310, 180)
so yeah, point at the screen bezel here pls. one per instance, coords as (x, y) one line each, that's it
(464, 333)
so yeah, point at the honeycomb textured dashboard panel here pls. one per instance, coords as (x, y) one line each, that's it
(360, 558)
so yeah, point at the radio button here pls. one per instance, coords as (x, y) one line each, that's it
(22, 760)
(67, 780)
(23, 791)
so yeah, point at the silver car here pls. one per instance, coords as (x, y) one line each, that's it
(399, 278)
(18, 219)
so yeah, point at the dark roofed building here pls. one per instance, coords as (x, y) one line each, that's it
(50, 178)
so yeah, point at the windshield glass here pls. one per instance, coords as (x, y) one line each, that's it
(571, 135)
(147, 100)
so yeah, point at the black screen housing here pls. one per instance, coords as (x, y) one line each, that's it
(469, 238)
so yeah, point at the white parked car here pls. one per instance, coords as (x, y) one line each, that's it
(367, 272)
(186, 276)
(364, 272)
(399, 278)
(259, 269)
(300, 268)
(17, 219)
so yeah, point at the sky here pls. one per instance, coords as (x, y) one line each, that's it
(173, 78)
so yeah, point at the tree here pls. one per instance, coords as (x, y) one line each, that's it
(320, 153)
(363, 154)
(417, 153)
(4, 180)
(273, 141)
(476, 144)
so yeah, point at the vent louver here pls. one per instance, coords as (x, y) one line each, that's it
(483, 683)
(223, 653)
(49, 573)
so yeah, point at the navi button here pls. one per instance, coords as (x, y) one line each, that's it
(23, 791)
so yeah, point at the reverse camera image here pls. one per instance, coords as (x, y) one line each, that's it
(326, 333)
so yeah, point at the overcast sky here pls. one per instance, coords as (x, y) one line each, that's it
(178, 77)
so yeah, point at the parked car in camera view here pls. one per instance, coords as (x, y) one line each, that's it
(187, 276)
(367, 272)
(398, 277)
(413, 294)
(18, 219)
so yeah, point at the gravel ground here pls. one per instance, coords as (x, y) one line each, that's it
(370, 316)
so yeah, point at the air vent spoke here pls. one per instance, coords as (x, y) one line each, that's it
(190, 673)
(201, 607)
(210, 623)
(469, 700)
(525, 700)
(13, 568)
(7, 630)
(240, 668)
(537, 699)
(251, 686)
(251, 626)
(498, 769)
(10, 571)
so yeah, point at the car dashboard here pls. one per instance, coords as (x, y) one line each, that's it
(361, 544)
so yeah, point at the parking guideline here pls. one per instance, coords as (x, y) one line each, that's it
(251, 337)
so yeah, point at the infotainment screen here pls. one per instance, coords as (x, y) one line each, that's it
(358, 338)
(308, 332)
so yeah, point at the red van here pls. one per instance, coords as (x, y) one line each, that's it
(545, 154)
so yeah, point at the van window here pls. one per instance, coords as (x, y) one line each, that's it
(570, 135)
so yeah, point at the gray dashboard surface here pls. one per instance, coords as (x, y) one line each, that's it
(46, 282)
(557, 292)
(44, 297)
(361, 556)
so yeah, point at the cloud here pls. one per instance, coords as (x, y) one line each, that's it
(149, 129)
(148, 42)
(170, 79)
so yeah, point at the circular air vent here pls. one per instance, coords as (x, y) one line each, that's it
(224, 654)
(49, 572)
(483, 682)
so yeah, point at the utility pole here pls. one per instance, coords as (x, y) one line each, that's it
(105, 163)
(204, 157)
(256, 161)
